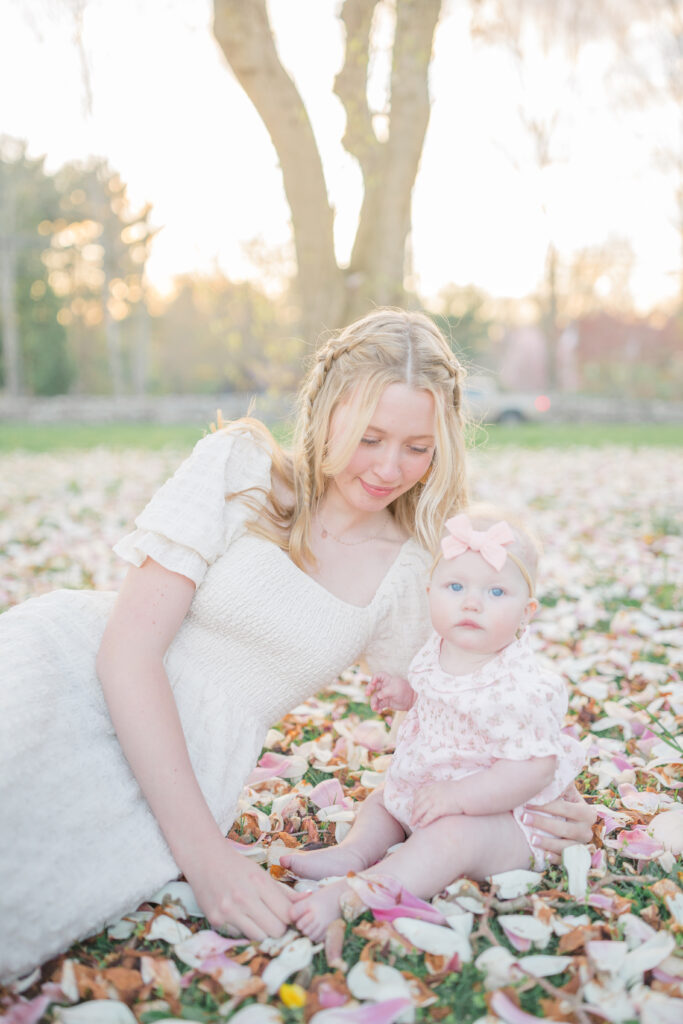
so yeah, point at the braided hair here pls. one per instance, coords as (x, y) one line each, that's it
(387, 346)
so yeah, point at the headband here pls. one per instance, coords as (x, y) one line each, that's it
(488, 543)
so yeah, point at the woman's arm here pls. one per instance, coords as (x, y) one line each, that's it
(506, 784)
(148, 613)
(569, 819)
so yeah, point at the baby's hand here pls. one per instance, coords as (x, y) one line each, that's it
(435, 800)
(385, 691)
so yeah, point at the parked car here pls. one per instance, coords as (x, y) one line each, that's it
(485, 402)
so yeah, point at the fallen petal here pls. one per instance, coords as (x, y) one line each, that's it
(523, 929)
(511, 1013)
(370, 1013)
(370, 980)
(434, 938)
(667, 829)
(577, 861)
(179, 892)
(295, 956)
(97, 1011)
(511, 884)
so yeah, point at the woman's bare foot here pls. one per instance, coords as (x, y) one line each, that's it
(314, 911)
(333, 860)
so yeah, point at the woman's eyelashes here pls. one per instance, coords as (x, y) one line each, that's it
(415, 449)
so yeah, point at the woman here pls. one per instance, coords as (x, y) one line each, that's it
(257, 577)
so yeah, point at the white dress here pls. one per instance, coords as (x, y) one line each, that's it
(78, 844)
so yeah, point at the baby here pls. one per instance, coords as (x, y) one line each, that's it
(482, 736)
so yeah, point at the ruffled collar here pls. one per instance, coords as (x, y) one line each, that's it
(515, 655)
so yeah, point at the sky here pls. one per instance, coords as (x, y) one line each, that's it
(171, 119)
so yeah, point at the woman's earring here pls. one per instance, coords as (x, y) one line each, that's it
(425, 476)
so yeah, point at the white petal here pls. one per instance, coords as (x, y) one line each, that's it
(433, 938)
(256, 1014)
(656, 1007)
(164, 928)
(577, 861)
(179, 892)
(378, 983)
(667, 828)
(371, 780)
(524, 926)
(295, 956)
(611, 998)
(644, 958)
(563, 925)
(515, 883)
(97, 1011)
(607, 957)
(124, 928)
(675, 905)
(497, 963)
(635, 930)
(545, 966)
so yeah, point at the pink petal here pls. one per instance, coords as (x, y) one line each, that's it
(388, 899)
(368, 1013)
(328, 996)
(327, 793)
(372, 735)
(509, 1011)
(272, 764)
(598, 860)
(600, 901)
(27, 1012)
(635, 843)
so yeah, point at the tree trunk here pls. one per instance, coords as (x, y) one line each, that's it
(11, 350)
(244, 34)
(329, 295)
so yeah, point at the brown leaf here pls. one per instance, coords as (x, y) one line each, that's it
(319, 986)
(665, 887)
(288, 840)
(577, 937)
(556, 1009)
(334, 944)
(311, 829)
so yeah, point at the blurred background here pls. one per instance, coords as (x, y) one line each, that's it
(191, 191)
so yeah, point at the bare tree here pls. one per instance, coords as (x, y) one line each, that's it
(330, 294)
(649, 74)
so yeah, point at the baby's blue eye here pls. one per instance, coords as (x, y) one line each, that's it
(455, 586)
(497, 591)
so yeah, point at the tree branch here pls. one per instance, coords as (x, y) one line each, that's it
(351, 84)
(244, 34)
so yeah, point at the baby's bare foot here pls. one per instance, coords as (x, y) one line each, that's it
(316, 910)
(333, 860)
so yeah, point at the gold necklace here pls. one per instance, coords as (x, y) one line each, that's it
(324, 532)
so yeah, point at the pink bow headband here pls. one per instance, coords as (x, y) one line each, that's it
(488, 543)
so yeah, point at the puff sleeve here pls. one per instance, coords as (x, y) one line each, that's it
(403, 624)
(188, 523)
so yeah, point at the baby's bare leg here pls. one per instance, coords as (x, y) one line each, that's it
(431, 858)
(372, 833)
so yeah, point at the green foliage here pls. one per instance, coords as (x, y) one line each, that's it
(29, 202)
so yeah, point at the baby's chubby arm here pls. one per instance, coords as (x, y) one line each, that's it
(506, 784)
(385, 691)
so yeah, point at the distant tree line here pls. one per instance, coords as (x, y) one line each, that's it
(78, 315)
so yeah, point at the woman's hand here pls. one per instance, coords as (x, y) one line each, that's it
(390, 692)
(232, 890)
(570, 820)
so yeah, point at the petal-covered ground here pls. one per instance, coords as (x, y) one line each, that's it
(599, 939)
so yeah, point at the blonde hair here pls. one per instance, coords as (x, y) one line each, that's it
(388, 346)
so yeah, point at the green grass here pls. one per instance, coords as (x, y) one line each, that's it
(568, 435)
(33, 437)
